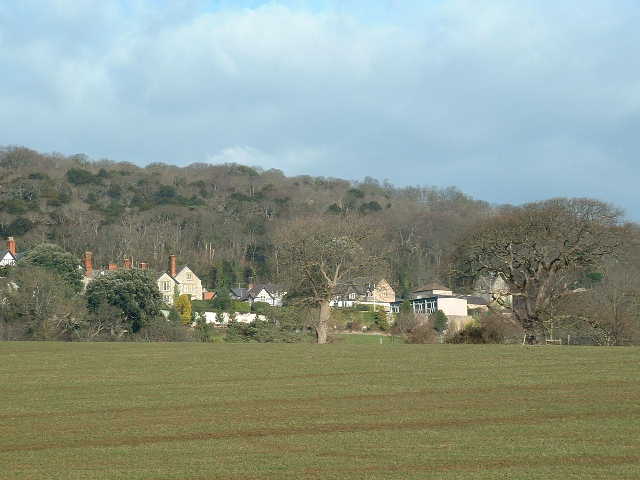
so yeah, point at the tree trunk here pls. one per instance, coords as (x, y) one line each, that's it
(529, 323)
(323, 322)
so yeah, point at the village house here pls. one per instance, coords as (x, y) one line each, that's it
(264, 292)
(10, 256)
(432, 297)
(175, 281)
(350, 294)
(180, 281)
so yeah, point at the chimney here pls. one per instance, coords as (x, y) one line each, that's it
(172, 266)
(11, 246)
(88, 264)
(112, 267)
(143, 266)
(127, 264)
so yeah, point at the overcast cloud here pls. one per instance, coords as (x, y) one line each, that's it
(510, 100)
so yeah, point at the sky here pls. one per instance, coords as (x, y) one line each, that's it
(509, 100)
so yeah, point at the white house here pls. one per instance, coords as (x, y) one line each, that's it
(182, 281)
(433, 297)
(9, 257)
(264, 292)
(380, 294)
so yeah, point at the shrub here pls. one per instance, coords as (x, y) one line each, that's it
(381, 320)
(134, 292)
(260, 308)
(241, 307)
(440, 321)
(264, 331)
(423, 333)
(491, 327)
(183, 306)
(55, 259)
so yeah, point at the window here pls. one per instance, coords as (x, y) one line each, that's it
(352, 296)
(189, 276)
(165, 286)
(167, 298)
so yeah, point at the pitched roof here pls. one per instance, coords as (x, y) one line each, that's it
(431, 286)
(239, 292)
(159, 276)
(270, 288)
(16, 257)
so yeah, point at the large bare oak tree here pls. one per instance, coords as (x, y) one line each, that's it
(315, 254)
(539, 249)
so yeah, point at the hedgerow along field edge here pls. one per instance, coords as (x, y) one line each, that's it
(197, 411)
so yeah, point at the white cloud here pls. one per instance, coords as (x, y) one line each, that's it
(446, 92)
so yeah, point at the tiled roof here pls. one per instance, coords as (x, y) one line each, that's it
(271, 289)
(17, 256)
(431, 286)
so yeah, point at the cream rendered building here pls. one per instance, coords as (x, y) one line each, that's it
(182, 281)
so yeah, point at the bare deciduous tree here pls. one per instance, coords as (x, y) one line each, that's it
(539, 249)
(316, 253)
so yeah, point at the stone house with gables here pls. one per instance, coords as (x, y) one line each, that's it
(175, 281)
(179, 280)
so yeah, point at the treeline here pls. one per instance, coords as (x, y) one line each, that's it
(219, 219)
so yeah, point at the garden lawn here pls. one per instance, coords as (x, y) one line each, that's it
(248, 411)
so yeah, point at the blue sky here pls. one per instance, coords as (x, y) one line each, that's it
(510, 100)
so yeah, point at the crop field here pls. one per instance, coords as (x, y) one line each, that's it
(391, 411)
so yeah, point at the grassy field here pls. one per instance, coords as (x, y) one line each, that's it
(196, 411)
(362, 339)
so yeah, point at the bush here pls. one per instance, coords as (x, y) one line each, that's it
(260, 308)
(183, 306)
(471, 333)
(159, 329)
(440, 321)
(134, 292)
(423, 333)
(263, 331)
(490, 327)
(241, 307)
(381, 320)
(55, 259)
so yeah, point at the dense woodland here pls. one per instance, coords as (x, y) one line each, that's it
(220, 219)
(571, 265)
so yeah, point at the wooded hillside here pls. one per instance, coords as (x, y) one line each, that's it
(218, 218)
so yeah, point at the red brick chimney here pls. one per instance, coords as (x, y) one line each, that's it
(172, 266)
(88, 264)
(143, 266)
(127, 264)
(11, 245)
(112, 267)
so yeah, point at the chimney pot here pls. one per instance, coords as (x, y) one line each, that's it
(172, 266)
(143, 266)
(112, 267)
(88, 264)
(127, 263)
(11, 245)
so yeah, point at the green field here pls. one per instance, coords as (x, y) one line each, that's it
(360, 339)
(197, 411)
